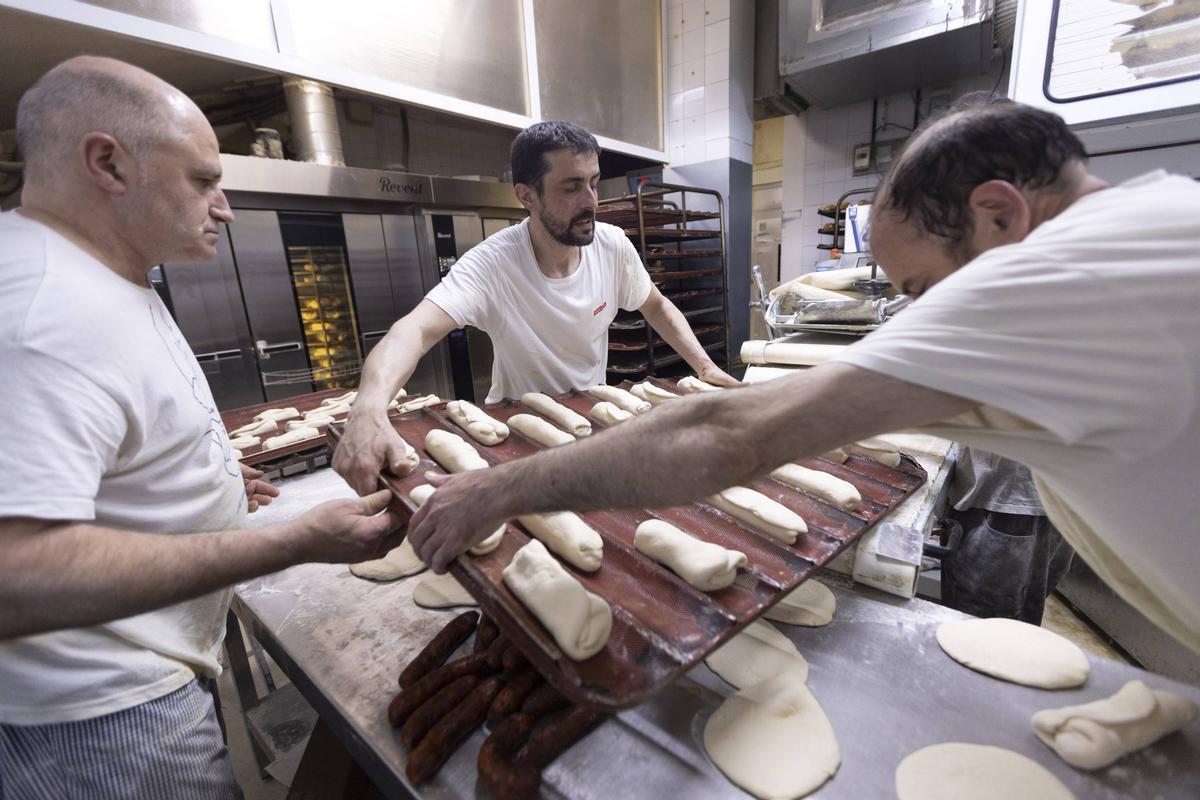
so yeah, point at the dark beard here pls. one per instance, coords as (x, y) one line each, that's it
(565, 234)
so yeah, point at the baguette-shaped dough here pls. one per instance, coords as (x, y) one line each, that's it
(237, 453)
(347, 398)
(441, 591)
(579, 621)
(836, 455)
(876, 450)
(651, 393)
(609, 413)
(258, 428)
(705, 565)
(470, 418)
(244, 441)
(557, 413)
(837, 491)
(539, 430)
(760, 511)
(694, 385)
(291, 437)
(620, 398)
(1094, 735)
(331, 410)
(309, 421)
(277, 414)
(569, 537)
(415, 403)
(481, 548)
(452, 452)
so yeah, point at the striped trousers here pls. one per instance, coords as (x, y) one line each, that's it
(170, 747)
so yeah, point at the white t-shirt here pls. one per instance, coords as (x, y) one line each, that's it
(1083, 342)
(549, 334)
(105, 417)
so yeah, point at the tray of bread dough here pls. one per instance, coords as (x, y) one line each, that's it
(661, 625)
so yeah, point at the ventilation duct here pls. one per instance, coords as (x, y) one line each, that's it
(315, 135)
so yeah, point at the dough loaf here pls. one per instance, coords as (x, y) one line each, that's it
(539, 430)
(609, 413)
(836, 455)
(258, 428)
(694, 385)
(310, 421)
(244, 441)
(483, 429)
(452, 452)
(291, 437)
(842, 494)
(760, 511)
(620, 398)
(704, 565)
(346, 398)
(1014, 651)
(481, 548)
(569, 537)
(441, 591)
(400, 562)
(956, 771)
(557, 413)
(277, 414)
(330, 410)
(757, 653)
(579, 621)
(1094, 735)
(415, 403)
(876, 450)
(651, 393)
(810, 604)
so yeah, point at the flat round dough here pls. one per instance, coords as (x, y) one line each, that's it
(400, 562)
(441, 591)
(810, 604)
(758, 653)
(953, 771)
(773, 739)
(1015, 651)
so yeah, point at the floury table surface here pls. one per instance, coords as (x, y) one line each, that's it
(877, 671)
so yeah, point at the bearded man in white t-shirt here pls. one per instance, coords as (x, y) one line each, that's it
(544, 291)
(121, 501)
(1055, 325)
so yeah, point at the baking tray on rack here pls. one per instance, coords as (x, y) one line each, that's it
(252, 456)
(661, 625)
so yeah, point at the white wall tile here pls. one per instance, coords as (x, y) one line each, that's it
(716, 124)
(674, 49)
(716, 148)
(742, 151)
(673, 3)
(693, 14)
(675, 107)
(716, 36)
(675, 78)
(675, 19)
(716, 10)
(693, 44)
(741, 127)
(716, 96)
(693, 152)
(693, 74)
(716, 67)
(694, 130)
(693, 101)
(675, 132)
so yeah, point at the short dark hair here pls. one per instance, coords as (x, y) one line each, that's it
(529, 165)
(978, 139)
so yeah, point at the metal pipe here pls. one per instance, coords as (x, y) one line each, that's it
(314, 120)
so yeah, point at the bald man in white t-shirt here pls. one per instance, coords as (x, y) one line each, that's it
(544, 291)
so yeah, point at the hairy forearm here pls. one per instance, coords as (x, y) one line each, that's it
(388, 368)
(669, 322)
(73, 575)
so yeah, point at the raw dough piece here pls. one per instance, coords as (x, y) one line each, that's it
(539, 430)
(694, 385)
(557, 413)
(757, 653)
(954, 771)
(423, 492)
(651, 393)
(810, 604)
(257, 428)
(876, 450)
(348, 397)
(773, 739)
(244, 441)
(1014, 651)
(311, 421)
(452, 451)
(483, 429)
(277, 414)
(620, 398)
(330, 410)
(441, 591)
(1094, 735)
(836, 455)
(291, 437)
(400, 562)
(579, 621)
(609, 413)
(760, 511)
(842, 494)
(237, 453)
(704, 565)
(569, 537)
(415, 403)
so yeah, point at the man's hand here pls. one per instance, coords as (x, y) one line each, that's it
(717, 376)
(258, 492)
(347, 531)
(456, 516)
(369, 443)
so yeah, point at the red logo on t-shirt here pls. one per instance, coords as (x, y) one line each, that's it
(600, 308)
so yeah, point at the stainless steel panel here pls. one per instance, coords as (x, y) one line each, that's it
(405, 267)
(275, 176)
(245, 21)
(473, 194)
(469, 49)
(374, 306)
(207, 303)
(600, 66)
(270, 300)
(468, 232)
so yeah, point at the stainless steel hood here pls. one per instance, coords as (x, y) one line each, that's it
(833, 52)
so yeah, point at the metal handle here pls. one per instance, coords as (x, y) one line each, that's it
(761, 302)
(374, 334)
(267, 350)
(218, 355)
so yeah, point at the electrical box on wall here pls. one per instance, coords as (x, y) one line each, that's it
(866, 162)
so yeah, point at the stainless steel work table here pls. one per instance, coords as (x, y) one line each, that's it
(877, 671)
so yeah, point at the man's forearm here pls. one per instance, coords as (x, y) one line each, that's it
(670, 323)
(387, 369)
(73, 575)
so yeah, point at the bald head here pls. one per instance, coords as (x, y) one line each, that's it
(90, 94)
